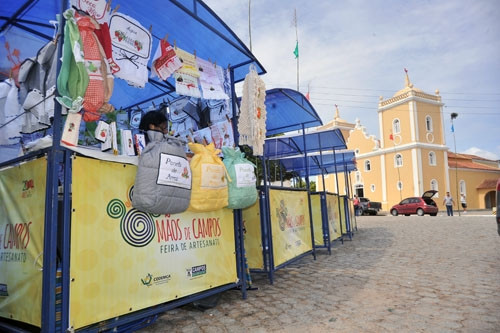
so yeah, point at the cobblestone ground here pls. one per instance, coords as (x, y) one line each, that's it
(398, 274)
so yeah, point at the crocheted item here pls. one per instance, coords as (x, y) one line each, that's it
(210, 84)
(165, 61)
(252, 120)
(131, 49)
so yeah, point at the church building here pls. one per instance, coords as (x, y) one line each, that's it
(411, 155)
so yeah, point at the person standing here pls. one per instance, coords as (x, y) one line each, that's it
(356, 205)
(463, 201)
(448, 202)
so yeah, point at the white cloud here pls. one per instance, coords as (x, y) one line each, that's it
(482, 153)
(351, 52)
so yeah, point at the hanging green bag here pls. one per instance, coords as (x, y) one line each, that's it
(242, 188)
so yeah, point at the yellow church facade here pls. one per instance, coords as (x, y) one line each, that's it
(411, 155)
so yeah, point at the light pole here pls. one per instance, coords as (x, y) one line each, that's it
(453, 116)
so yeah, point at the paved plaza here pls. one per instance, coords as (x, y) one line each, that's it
(398, 274)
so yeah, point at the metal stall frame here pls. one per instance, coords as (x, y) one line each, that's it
(57, 226)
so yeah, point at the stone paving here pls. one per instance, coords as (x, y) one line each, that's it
(398, 274)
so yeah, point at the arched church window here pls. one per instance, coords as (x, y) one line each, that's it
(398, 160)
(358, 177)
(463, 189)
(432, 158)
(396, 127)
(428, 123)
(368, 166)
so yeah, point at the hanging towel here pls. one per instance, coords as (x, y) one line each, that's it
(211, 86)
(188, 61)
(165, 61)
(94, 95)
(73, 78)
(10, 110)
(186, 85)
(131, 49)
(98, 9)
(222, 134)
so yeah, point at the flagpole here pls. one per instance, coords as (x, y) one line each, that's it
(453, 116)
(249, 25)
(297, 40)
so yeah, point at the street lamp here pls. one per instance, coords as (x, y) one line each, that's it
(454, 115)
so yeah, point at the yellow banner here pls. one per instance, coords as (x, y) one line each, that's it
(22, 215)
(342, 215)
(124, 260)
(290, 224)
(317, 220)
(253, 236)
(332, 204)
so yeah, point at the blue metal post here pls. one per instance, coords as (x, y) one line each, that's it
(308, 191)
(338, 194)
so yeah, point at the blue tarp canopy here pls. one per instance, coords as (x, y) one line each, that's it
(287, 110)
(190, 23)
(326, 163)
(289, 145)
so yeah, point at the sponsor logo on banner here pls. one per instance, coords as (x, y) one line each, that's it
(196, 271)
(151, 280)
(3, 290)
(28, 188)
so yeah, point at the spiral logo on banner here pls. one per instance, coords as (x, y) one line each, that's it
(116, 209)
(137, 228)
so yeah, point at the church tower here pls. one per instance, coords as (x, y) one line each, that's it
(414, 153)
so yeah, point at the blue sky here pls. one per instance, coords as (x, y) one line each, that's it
(352, 52)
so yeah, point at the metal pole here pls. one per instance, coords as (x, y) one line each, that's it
(453, 116)
(249, 25)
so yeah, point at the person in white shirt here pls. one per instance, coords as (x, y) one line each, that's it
(448, 202)
(463, 202)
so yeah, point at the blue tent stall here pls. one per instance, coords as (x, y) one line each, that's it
(277, 204)
(336, 220)
(192, 26)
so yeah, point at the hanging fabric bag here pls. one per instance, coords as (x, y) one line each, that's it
(163, 179)
(210, 190)
(242, 188)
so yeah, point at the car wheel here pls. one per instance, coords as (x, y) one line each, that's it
(420, 212)
(433, 214)
(394, 212)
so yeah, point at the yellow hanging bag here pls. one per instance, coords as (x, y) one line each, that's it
(209, 179)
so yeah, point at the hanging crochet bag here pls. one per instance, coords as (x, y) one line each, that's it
(163, 179)
(242, 188)
(209, 179)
